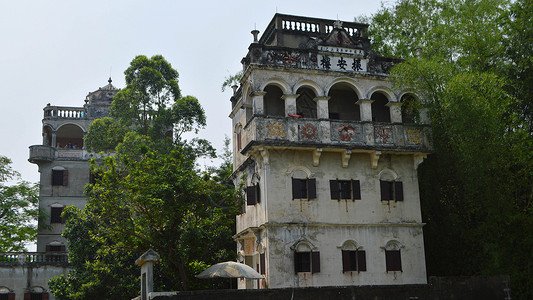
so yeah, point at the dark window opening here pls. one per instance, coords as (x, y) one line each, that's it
(345, 189)
(59, 177)
(273, 102)
(391, 190)
(305, 103)
(393, 260)
(342, 103)
(307, 262)
(380, 110)
(304, 188)
(253, 194)
(55, 248)
(55, 215)
(262, 262)
(353, 260)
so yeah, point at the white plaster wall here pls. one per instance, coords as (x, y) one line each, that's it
(18, 278)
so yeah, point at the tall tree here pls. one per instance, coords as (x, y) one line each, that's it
(18, 209)
(149, 193)
(478, 205)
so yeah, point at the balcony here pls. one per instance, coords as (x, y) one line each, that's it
(327, 133)
(63, 112)
(41, 153)
(34, 258)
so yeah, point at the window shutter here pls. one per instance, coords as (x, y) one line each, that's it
(65, 177)
(361, 260)
(11, 296)
(385, 187)
(345, 260)
(311, 188)
(296, 263)
(250, 195)
(393, 260)
(44, 296)
(356, 190)
(27, 296)
(398, 191)
(262, 262)
(295, 189)
(334, 189)
(315, 262)
(257, 193)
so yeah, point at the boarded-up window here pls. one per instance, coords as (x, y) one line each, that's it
(59, 177)
(391, 190)
(345, 189)
(393, 260)
(304, 188)
(55, 215)
(353, 260)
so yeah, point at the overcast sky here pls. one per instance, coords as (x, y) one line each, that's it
(58, 51)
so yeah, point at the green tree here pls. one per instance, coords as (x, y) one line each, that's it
(478, 205)
(149, 193)
(19, 210)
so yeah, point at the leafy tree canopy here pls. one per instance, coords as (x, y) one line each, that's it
(470, 62)
(18, 210)
(149, 193)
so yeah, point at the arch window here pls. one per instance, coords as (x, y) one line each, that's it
(59, 176)
(273, 102)
(341, 104)
(393, 257)
(409, 113)
(353, 257)
(6, 293)
(391, 187)
(36, 293)
(305, 103)
(380, 110)
(305, 259)
(55, 213)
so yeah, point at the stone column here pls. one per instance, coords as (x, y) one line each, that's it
(290, 103)
(54, 138)
(146, 262)
(365, 109)
(322, 109)
(258, 103)
(395, 109)
(424, 116)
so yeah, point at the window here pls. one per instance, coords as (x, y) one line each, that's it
(353, 260)
(307, 261)
(6, 295)
(380, 110)
(253, 194)
(36, 296)
(393, 260)
(55, 215)
(391, 190)
(345, 189)
(59, 177)
(304, 188)
(55, 248)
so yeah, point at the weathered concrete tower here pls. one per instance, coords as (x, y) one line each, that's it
(329, 157)
(63, 161)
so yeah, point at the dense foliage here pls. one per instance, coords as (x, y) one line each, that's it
(471, 63)
(149, 193)
(18, 209)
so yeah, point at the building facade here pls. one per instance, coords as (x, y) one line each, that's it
(328, 154)
(64, 171)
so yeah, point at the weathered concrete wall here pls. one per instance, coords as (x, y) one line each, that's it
(457, 288)
(21, 278)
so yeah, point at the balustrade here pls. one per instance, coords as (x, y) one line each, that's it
(63, 112)
(18, 258)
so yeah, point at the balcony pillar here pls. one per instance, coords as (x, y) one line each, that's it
(290, 103)
(258, 103)
(365, 109)
(424, 116)
(53, 138)
(395, 109)
(322, 107)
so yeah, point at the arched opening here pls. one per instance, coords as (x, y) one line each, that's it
(342, 103)
(409, 113)
(274, 104)
(69, 137)
(305, 103)
(380, 110)
(47, 136)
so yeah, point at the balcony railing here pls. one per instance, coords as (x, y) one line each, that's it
(33, 258)
(47, 153)
(337, 134)
(63, 112)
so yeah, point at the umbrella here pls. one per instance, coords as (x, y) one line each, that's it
(230, 269)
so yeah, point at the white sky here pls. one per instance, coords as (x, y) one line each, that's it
(57, 51)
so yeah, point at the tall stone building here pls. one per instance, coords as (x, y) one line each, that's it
(329, 155)
(63, 162)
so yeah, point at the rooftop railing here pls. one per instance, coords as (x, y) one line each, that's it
(63, 112)
(33, 258)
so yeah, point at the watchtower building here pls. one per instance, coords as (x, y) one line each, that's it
(328, 153)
